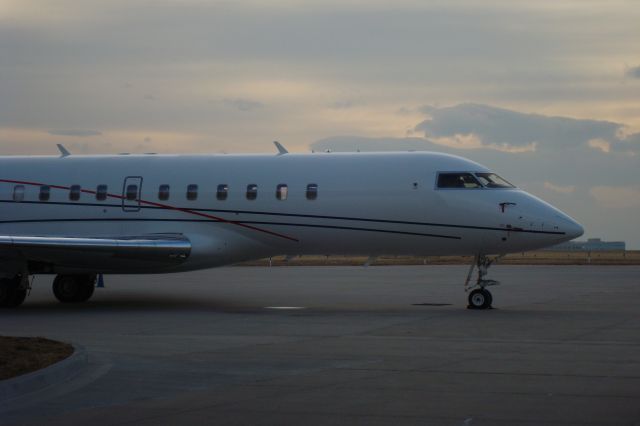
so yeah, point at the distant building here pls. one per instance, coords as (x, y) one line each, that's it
(592, 244)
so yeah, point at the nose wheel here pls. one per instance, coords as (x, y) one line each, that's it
(480, 297)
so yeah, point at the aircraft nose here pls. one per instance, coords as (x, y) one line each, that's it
(573, 229)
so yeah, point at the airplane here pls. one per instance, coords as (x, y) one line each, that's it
(81, 216)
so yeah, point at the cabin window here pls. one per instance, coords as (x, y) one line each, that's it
(132, 192)
(163, 192)
(74, 192)
(45, 193)
(457, 181)
(252, 191)
(223, 192)
(492, 180)
(312, 191)
(18, 193)
(282, 191)
(192, 192)
(101, 192)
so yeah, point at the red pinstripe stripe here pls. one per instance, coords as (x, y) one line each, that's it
(164, 206)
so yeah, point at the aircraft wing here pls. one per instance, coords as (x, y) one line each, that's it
(96, 252)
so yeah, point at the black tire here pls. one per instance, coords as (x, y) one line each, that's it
(480, 299)
(5, 291)
(489, 297)
(73, 288)
(19, 295)
(11, 295)
(89, 288)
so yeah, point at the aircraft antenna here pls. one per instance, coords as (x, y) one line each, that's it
(63, 151)
(281, 149)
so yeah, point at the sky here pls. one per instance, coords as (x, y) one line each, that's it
(546, 93)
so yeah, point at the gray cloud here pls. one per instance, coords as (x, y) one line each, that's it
(633, 72)
(349, 143)
(243, 105)
(442, 51)
(511, 128)
(342, 104)
(75, 132)
(563, 150)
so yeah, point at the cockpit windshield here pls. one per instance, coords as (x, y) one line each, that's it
(469, 180)
(458, 180)
(492, 180)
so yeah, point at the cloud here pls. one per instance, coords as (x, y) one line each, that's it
(487, 128)
(616, 197)
(560, 188)
(600, 144)
(633, 72)
(472, 141)
(503, 129)
(359, 143)
(243, 105)
(298, 58)
(484, 128)
(16, 141)
(75, 132)
(632, 138)
(341, 104)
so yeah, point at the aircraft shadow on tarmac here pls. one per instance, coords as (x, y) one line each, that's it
(136, 303)
(159, 302)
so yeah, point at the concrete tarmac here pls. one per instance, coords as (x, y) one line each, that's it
(343, 345)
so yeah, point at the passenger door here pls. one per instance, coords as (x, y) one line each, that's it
(131, 191)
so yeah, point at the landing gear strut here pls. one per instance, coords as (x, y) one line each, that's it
(13, 291)
(74, 288)
(480, 297)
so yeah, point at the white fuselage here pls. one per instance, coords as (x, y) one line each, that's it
(366, 204)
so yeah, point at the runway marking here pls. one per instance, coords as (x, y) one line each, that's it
(285, 307)
(431, 304)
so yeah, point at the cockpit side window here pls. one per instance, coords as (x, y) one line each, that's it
(457, 180)
(492, 180)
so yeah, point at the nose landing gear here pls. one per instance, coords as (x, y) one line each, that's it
(480, 298)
